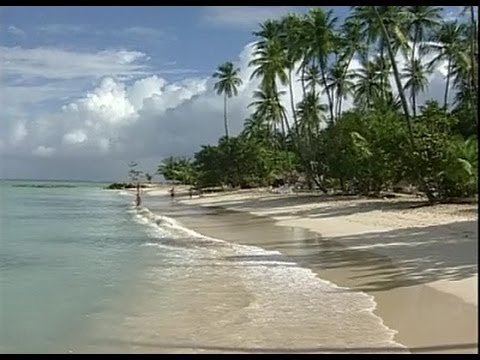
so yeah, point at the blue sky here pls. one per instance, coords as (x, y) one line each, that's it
(75, 81)
(191, 37)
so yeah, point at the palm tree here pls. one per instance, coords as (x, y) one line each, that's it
(319, 30)
(350, 43)
(341, 85)
(312, 78)
(396, 29)
(228, 81)
(386, 34)
(417, 80)
(270, 64)
(473, 40)
(421, 22)
(310, 113)
(445, 43)
(268, 107)
(255, 129)
(291, 37)
(367, 87)
(474, 56)
(373, 21)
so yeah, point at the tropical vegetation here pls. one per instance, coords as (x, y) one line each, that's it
(355, 129)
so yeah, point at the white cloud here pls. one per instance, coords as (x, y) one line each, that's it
(242, 17)
(75, 137)
(19, 132)
(54, 63)
(106, 104)
(146, 120)
(43, 151)
(12, 29)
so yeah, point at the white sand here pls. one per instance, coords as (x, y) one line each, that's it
(354, 222)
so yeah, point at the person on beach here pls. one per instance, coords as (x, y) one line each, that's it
(172, 192)
(190, 192)
(139, 199)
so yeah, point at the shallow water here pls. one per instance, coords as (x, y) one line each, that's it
(82, 270)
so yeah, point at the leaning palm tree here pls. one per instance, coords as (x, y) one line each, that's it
(384, 29)
(416, 75)
(396, 28)
(228, 81)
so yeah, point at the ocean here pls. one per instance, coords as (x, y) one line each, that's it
(83, 271)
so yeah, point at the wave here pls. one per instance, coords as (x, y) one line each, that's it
(283, 291)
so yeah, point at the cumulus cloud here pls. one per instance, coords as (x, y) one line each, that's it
(145, 120)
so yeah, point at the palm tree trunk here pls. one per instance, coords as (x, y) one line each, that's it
(340, 102)
(396, 73)
(225, 115)
(382, 62)
(302, 79)
(415, 40)
(329, 97)
(414, 103)
(292, 101)
(343, 79)
(447, 84)
(336, 106)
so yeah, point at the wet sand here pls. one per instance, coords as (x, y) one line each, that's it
(422, 293)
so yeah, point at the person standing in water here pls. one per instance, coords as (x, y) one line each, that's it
(139, 199)
(172, 192)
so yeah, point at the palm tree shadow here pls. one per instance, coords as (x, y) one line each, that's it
(386, 260)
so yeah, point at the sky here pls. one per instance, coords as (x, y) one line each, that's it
(86, 90)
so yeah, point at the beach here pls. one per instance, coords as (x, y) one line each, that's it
(418, 263)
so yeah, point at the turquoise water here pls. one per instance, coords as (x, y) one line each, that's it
(64, 254)
(83, 271)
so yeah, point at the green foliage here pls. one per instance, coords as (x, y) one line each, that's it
(178, 169)
(447, 162)
(385, 138)
(121, 186)
(364, 150)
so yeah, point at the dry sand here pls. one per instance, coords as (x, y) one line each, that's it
(419, 262)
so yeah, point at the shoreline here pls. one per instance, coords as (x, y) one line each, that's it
(415, 309)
